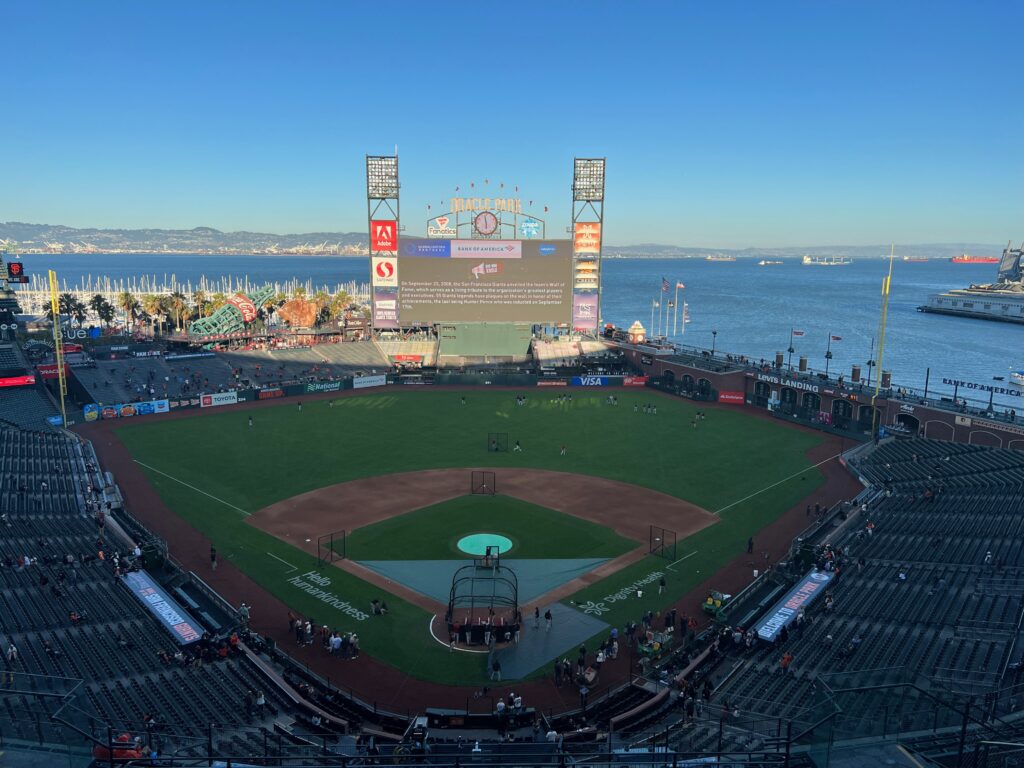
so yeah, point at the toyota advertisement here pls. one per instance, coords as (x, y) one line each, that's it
(432, 280)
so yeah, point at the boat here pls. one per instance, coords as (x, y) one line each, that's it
(1002, 300)
(965, 259)
(766, 262)
(719, 257)
(915, 259)
(827, 261)
(1017, 376)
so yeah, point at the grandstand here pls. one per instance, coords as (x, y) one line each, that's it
(26, 407)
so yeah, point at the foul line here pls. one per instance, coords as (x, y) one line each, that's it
(294, 568)
(197, 490)
(783, 480)
(684, 557)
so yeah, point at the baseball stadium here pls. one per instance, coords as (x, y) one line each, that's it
(462, 521)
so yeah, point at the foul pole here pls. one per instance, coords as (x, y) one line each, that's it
(58, 345)
(881, 343)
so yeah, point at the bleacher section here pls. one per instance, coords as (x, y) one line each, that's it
(26, 407)
(9, 359)
(425, 349)
(49, 568)
(931, 595)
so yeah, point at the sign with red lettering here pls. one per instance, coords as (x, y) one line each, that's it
(731, 397)
(384, 236)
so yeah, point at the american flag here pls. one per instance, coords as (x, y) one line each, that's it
(797, 332)
(680, 287)
(664, 285)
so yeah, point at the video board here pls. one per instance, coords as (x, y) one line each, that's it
(436, 280)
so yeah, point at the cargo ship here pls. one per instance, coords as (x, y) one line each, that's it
(827, 261)
(915, 259)
(767, 262)
(965, 259)
(714, 257)
(1002, 300)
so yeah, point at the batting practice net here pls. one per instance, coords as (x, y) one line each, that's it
(330, 547)
(662, 542)
(497, 442)
(482, 483)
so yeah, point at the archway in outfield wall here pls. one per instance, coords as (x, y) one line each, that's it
(912, 423)
(864, 417)
(668, 378)
(985, 438)
(1016, 445)
(687, 383)
(704, 390)
(842, 413)
(938, 430)
(811, 403)
(787, 400)
(762, 394)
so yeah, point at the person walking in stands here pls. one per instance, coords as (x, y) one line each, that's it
(547, 620)
(785, 661)
(213, 558)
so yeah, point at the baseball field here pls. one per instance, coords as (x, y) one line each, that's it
(391, 468)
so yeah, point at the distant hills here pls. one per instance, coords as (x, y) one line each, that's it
(56, 238)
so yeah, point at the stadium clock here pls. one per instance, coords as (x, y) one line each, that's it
(485, 223)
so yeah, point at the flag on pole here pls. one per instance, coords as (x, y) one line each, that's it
(686, 312)
(797, 332)
(657, 304)
(680, 287)
(837, 338)
(664, 285)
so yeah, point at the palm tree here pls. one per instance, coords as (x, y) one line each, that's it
(128, 304)
(200, 301)
(152, 305)
(96, 302)
(339, 304)
(179, 307)
(106, 313)
(65, 303)
(217, 301)
(79, 311)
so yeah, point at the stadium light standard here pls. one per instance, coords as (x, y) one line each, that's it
(714, 341)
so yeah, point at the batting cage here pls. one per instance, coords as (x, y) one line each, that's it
(330, 547)
(483, 605)
(482, 483)
(662, 542)
(497, 442)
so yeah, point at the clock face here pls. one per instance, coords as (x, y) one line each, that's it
(486, 223)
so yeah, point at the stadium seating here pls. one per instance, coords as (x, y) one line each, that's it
(26, 407)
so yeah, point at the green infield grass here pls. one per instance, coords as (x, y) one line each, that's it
(213, 470)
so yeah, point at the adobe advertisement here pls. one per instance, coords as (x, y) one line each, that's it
(383, 235)
(484, 281)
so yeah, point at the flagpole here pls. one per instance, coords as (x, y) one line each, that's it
(828, 353)
(789, 362)
(675, 312)
(653, 331)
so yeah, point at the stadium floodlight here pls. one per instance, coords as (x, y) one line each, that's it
(381, 177)
(588, 179)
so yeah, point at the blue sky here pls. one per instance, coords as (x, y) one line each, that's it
(725, 124)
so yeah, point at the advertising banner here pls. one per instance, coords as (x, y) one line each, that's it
(323, 386)
(529, 229)
(590, 381)
(385, 308)
(218, 398)
(55, 420)
(49, 371)
(91, 412)
(364, 382)
(174, 618)
(487, 249)
(584, 311)
(731, 397)
(782, 614)
(552, 383)
(384, 271)
(634, 381)
(243, 304)
(384, 235)
(587, 237)
(407, 358)
(437, 249)
(18, 381)
(439, 227)
(269, 394)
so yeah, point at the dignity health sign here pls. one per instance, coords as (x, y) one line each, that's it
(805, 592)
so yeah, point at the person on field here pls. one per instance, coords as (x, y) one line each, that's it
(213, 558)
(518, 448)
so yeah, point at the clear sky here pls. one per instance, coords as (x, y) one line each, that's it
(724, 123)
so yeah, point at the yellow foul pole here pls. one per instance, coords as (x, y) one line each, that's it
(881, 342)
(58, 344)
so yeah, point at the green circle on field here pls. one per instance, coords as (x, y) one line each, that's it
(477, 543)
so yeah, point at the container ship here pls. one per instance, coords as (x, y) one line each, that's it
(915, 259)
(1002, 300)
(827, 261)
(965, 259)
(714, 257)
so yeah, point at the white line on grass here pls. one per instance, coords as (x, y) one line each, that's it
(684, 557)
(294, 568)
(197, 490)
(783, 480)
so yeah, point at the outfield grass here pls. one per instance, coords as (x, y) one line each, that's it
(728, 457)
(432, 533)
